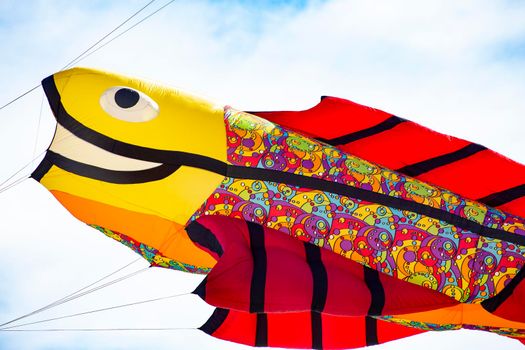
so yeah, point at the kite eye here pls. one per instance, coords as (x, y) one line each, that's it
(128, 104)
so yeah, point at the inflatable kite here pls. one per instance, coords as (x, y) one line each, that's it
(326, 228)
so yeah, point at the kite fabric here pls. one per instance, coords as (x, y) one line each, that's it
(306, 224)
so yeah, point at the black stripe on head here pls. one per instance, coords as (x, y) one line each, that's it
(42, 169)
(113, 176)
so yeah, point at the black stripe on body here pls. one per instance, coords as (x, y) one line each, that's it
(202, 236)
(261, 330)
(201, 289)
(377, 302)
(427, 165)
(319, 292)
(371, 331)
(493, 303)
(385, 125)
(206, 163)
(317, 329)
(258, 284)
(215, 321)
(319, 276)
(377, 292)
(42, 169)
(503, 197)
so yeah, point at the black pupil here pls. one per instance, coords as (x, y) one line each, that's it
(126, 98)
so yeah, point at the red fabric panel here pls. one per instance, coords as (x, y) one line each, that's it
(226, 287)
(290, 330)
(331, 118)
(289, 283)
(239, 327)
(288, 278)
(388, 331)
(341, 332)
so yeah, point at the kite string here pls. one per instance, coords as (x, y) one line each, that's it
(35, 157)
(100, 329)
(79, 57)
(77, 294)
(20, 96)
(38, 125)
(125, 31)
(83, 54)
(97, 310)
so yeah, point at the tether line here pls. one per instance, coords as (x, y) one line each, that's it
(100, 329)
(84, 53)
(97, 310)
(80, 292)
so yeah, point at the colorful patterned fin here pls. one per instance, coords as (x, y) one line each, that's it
(461, 166)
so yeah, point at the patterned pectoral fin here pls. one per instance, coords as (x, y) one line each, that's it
(508, 303)
(264, 270)
(300, 330)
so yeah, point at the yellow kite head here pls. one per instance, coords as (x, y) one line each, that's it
(123, 145)
(104, 107)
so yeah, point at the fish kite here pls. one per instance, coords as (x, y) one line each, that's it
(340, 226)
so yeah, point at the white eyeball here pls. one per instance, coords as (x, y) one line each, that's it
(128, 104)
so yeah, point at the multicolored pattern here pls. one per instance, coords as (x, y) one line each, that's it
(427, 326)
(255, 142)
(403, 244)
(151, 254)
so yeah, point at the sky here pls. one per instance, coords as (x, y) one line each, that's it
(456, 67)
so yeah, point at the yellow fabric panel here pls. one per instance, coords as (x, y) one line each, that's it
(168, 237)
(472, 314)
(174, 198)
(185, 123)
